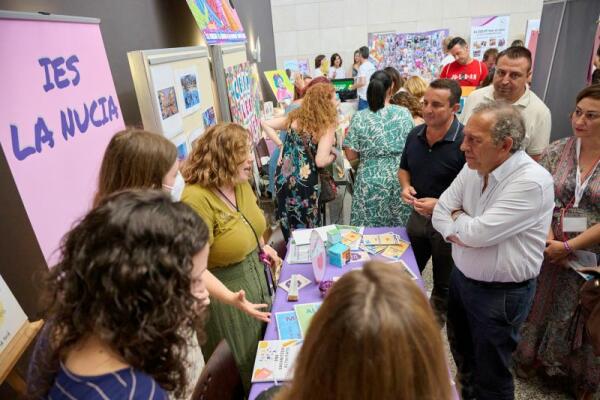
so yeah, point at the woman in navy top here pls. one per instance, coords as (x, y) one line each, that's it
(128, 284)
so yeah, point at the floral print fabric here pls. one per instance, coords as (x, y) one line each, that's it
(379, 138)
(297, 185)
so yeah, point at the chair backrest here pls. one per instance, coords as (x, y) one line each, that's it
(220, 379)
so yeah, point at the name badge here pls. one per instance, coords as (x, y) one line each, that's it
(574, 224)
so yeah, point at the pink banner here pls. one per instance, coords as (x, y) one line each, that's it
(57, 114)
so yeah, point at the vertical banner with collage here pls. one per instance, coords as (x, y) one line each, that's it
(244, 98)
(418, 53)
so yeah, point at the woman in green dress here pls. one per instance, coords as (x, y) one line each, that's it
(375, 141)
(216, 175)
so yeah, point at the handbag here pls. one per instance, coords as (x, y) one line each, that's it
(586, 318)
(328, 186)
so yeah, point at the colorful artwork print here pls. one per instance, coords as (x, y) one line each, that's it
(168, 102)
(209, 118)
(218, 21)
(280, 84)
(191, 95)
(417, 53)
(275, 359)
(244, 103)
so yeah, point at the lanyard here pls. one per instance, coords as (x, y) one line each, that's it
(268, 274)
(581, 186)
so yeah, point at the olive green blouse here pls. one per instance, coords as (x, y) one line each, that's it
(231, 238)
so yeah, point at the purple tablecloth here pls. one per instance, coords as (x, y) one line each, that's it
(311, 294)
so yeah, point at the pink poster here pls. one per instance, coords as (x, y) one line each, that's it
(58, 112)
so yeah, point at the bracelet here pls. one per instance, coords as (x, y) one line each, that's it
(567, 247)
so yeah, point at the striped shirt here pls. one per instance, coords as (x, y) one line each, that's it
(127, 384)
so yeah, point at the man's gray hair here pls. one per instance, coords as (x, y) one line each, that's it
(508, 122)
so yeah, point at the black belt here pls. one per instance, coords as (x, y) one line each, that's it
(498, 285)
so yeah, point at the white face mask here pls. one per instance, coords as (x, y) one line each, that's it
(177, 189)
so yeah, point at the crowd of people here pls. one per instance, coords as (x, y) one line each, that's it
(172, 259)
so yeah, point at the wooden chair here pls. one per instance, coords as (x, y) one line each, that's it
(220, 378)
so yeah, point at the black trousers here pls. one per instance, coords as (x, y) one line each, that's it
(483, 331)
(427, 242)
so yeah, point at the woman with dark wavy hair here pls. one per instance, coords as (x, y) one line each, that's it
(127, 288)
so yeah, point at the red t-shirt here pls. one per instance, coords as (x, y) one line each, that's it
(471, 74)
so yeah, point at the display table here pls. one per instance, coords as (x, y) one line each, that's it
(311, 294)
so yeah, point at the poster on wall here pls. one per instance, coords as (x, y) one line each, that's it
(487, 33)
(12, 316)
(187, 81)
(532, 25)
(209, 118)
(417, 53)
(280, 84)
(218, 21)
(58, 113)
(165, 100)
(244, 104)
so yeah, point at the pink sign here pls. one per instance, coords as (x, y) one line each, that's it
(58, 111)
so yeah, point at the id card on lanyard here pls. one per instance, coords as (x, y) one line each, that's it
(571, 220)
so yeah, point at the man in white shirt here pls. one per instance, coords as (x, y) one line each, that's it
(497, 215)
(512, 72)
(361, 82)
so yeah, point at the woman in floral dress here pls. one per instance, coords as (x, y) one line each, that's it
(308, 146)
(547, 343)
(376, 138)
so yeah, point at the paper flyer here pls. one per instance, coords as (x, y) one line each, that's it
(287, 325)
(305, 312)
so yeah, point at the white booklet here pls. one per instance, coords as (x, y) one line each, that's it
(275, 360)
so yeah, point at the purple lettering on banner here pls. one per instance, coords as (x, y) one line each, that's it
(112, 108)
(96, 122)
(102, 102)
(20, 154)
(59, 72)
(67, 126)
(82, 125)
(45, 62)
(42, 135)
(71, 67)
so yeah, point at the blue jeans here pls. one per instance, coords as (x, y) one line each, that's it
(483, 331)
(362, 104)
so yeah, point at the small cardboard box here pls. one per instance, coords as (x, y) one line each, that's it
(334, 236)
(339, 254)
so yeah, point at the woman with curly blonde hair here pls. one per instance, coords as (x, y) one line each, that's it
(416, 86)
(216, 175)
(308, 145)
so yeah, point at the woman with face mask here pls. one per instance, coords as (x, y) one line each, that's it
(140, 159)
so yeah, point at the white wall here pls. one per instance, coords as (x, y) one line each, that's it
(305, 28)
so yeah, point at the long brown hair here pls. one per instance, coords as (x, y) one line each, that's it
(217, 156)
(317, 113)
(134, 158)
(405, 99)
(375, 337)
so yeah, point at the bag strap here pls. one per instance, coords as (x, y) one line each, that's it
(243, 216)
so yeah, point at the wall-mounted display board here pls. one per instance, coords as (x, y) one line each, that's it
(57, 114)
(174, 89)
(418, 53)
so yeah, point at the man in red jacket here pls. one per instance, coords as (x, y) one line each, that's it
(466, 70)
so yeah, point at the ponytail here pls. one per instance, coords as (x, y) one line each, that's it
(376, 92)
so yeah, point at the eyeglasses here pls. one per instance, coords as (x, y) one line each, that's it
(588, 115)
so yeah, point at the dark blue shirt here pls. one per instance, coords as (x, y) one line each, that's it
(432, 169)
(126, 384)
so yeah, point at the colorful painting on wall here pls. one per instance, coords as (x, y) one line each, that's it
(280, 84)
(218, 21)
(244, 103)
(410, 53)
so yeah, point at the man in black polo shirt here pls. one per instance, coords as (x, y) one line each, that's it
(430, 161)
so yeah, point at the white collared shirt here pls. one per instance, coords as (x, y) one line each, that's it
(504, 229)
(538, 121)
